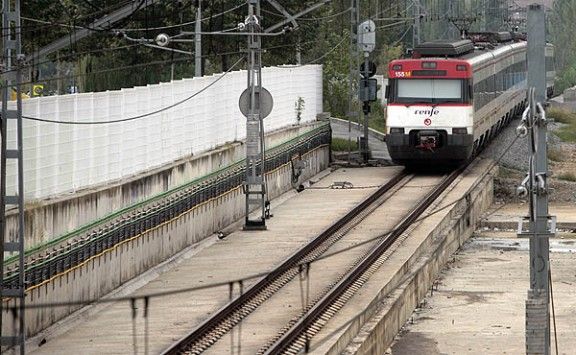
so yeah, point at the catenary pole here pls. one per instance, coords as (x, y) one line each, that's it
(13, 152)
(353, 67)
(540, 224)
(198, 40)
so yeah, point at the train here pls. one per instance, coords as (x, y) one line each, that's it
(451, 97)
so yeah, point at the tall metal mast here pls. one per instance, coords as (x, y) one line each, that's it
(255, 186)
(12, 122)
(198, 40)
(353, 67)
(416, 29)
(541, 225)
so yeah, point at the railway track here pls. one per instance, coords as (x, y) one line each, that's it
(225, 319)
(296, 339)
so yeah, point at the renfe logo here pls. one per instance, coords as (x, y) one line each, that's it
(427, 122)
(426, 112)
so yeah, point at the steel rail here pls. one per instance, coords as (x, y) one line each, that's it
(298, 335)
(202, 336)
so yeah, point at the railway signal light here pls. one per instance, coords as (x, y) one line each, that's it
(368, 90)
(368, 71)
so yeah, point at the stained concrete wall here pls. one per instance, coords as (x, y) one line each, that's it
(48, 219)
(116, 265)
(382, 321)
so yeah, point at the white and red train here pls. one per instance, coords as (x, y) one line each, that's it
(452, 97)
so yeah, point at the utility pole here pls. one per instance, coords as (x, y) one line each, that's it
(493, 15)
(12, 78)
(198, 40)
(255, 185)
(541, 226)
(354, 68)
(416, 28)
(368, 87)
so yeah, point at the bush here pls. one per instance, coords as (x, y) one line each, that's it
(561, 115)
(567, 134)
(343, 145)
(568, 176)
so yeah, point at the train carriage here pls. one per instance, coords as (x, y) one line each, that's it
(452, 97)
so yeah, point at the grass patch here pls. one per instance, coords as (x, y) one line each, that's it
(562, 116)
(343, 145)
(566, 133)
(567, 176)
(555, 154)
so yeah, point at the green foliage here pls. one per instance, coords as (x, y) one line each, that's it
(567, 133)
(377, 118)
(386, 55)
(568, 176)
(343, 145)
(91, 64)
(561, 115)
(561, 23)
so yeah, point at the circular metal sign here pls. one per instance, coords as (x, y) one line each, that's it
(265, 99)
(371, 69)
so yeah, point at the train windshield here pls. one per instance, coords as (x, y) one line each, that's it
(429, 91)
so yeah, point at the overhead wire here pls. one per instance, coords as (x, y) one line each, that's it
(76, 27)
(158, 62)
(183, 24)
(314, 60)
(38, 119)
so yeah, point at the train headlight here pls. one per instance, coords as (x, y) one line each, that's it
(397, 130)
(459, 130)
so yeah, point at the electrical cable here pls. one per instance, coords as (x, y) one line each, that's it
(52, 24)
(392, 24)
(290, 66)
(142, 115)
(79, 27)
(179, 25)
(72, 55)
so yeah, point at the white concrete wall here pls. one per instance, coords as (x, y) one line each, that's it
(66, 158)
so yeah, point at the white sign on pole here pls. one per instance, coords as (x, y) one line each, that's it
(367, 36)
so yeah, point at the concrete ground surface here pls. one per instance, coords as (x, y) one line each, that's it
(479, 304)
(299, 218)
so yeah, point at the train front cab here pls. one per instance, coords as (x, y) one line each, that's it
(430, 113)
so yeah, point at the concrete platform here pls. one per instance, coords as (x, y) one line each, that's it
(297, 218)
(479, 306)
(506, 216)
